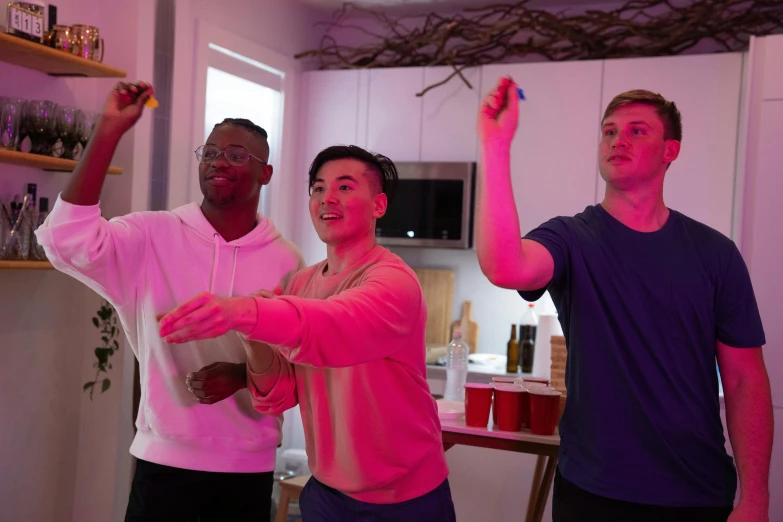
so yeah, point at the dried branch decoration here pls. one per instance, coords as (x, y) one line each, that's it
(498, 33)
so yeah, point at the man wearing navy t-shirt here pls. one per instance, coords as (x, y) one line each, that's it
(648, 299)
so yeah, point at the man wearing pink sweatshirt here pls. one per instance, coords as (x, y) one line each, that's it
(347, 344)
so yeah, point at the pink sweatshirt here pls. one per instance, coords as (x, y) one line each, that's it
(350, 349)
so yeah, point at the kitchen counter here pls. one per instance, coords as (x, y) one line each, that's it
(480, 373)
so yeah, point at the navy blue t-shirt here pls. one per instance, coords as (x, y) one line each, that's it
(641, 313)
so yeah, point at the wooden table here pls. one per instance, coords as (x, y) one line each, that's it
(455, 431)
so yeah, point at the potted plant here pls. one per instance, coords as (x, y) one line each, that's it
(106, 323)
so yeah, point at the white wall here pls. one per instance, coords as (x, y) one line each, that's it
(43, 350)
(762, 215)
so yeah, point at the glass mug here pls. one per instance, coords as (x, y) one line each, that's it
(86, 42)
(60, 38)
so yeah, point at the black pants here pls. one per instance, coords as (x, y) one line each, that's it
(572, 504)
(165, 494)
(320, 503)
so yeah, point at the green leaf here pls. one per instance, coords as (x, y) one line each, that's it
(102, 354)
(105, 385)
(88, 385)
(105, 340)
(116, 345)
(95, 322)
(113, 331)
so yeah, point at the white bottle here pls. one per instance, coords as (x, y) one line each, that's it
(456, 368)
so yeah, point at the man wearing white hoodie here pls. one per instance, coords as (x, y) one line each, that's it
(206, 459)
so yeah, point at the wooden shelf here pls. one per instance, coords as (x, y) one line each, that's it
(43, 162)
(39, 57)
(25, 265)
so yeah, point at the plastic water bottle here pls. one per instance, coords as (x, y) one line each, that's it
(456, 368)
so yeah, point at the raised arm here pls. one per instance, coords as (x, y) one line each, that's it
(506, 260)
(77, 239)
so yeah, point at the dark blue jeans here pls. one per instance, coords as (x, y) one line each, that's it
(573, 504)
(320, 503)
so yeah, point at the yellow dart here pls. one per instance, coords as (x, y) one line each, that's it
(151, 103)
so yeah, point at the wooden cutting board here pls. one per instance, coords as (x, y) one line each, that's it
(468, 328)
(438, 288)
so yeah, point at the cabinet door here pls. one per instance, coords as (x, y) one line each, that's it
(554, 152)
(448, 129)
(772, 82)
(394, 112)
(706, 89)
(329, 116)
(331, 105)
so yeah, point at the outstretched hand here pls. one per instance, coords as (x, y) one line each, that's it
(207, 316)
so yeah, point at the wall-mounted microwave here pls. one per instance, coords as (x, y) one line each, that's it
(433, 206)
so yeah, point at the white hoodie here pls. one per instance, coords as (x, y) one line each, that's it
(147, 263)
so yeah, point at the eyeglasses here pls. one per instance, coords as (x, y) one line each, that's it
(236, 156)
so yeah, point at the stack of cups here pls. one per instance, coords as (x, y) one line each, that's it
(516, 405)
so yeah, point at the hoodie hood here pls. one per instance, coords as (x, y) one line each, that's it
(193, 218)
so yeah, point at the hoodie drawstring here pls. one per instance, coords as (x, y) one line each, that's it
(233, 273)
(215, 267)
(214, 264)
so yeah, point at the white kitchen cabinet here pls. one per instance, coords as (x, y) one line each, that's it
(554, 152)
(448, 127)
(329, 114)
(394, 112)
(706, 89)
(772, 82)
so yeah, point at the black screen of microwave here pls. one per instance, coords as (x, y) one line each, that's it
(424, 209)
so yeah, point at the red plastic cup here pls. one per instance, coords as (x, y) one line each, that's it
(525, 407)
(494, 401)
(478, 399)
(508, 398)
(504, 379)
(500, 379)
(544, 410)
(531, 384)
